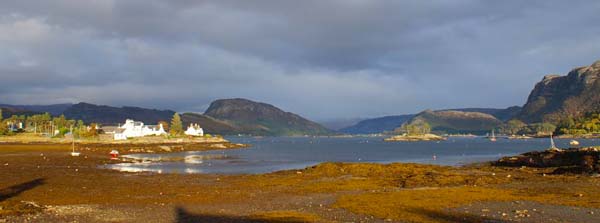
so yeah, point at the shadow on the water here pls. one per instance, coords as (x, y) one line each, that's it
(183, 216)
(456, 217)
(15, 190)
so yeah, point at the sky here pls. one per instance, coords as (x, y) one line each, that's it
(322, 59)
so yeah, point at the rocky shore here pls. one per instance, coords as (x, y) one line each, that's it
(414, 138)
(43, 183)
(573, 160)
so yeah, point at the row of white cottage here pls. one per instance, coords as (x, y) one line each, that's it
(132, 129)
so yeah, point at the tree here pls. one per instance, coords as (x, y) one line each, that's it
(514, 126)
(3, 127)
(414, 128)
(176, 125)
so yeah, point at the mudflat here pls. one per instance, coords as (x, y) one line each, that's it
(43, 183)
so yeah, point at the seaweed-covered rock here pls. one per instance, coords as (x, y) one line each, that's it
(585, 160)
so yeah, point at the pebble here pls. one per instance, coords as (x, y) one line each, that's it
(522, 213)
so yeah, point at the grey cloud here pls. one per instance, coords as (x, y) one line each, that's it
(322, 59)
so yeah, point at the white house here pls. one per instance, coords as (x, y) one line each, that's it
(133, 129)
(14, 126)
(194, 130)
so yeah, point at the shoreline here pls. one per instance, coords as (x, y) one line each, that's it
(64, 188)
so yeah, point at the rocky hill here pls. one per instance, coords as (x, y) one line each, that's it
(502, 114)
(389, 123)
(262, 118)
(558, 96)
(457, 122)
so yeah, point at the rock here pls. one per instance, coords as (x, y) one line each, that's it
(411, 138)
(165, 148)
(219, 146)
(584, 160)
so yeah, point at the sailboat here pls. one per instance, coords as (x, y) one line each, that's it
(73, 153)
(552, 145)
(493, 136)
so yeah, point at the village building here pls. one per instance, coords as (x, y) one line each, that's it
(14, 126)
(132, 129)
(194, 130)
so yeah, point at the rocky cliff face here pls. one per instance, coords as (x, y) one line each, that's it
(561, 96)
(263, 119)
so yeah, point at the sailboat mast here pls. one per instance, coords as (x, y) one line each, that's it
(73, 139)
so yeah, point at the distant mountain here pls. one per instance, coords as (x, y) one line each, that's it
(55, 109)
(457, 122)
(262, 118)
(377, 125)
(8, 111)
(389, 123)
(108, 115)
(337, 124)
(557, 96)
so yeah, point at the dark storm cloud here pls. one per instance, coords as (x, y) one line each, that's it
(322, 59)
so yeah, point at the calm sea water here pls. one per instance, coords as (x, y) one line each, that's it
(271, 154)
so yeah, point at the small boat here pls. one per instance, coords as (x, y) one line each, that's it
(574, 143)
(114, 154)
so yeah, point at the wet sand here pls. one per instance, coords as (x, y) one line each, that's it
(42, 183)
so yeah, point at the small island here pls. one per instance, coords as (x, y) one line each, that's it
(416, 131)
(414, 138)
